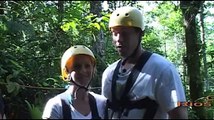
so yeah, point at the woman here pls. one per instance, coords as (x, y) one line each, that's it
(78, 67)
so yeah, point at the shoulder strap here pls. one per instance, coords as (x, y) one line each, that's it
(113, 84)
(93, 106)
(132, 77)
(66, 109)
(118, 104)
(135, 72)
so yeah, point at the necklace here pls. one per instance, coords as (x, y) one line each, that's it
(126, 68)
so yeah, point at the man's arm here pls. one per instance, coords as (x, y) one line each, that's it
(178, 113)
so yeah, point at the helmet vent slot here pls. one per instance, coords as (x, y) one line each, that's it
(127, 14)
(118, 14)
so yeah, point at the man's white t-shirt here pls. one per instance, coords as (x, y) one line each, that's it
(158, 80)
(53, 108)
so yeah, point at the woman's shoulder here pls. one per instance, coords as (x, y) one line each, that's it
(54, 101)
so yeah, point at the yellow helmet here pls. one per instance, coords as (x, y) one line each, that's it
(127, 16)
(69, 53)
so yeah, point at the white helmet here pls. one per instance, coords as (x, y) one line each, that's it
(69, 53)
(127, 16)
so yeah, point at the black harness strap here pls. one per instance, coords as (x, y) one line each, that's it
(151, 108)
(113, 87)
(147, 103)
(135, 72)
(93, 106)
(66, 109)
(124, 102)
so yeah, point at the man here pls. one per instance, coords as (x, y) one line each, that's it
(141, 84)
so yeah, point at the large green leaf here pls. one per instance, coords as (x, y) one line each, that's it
(35, 111)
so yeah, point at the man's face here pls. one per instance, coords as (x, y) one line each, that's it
(125, 39)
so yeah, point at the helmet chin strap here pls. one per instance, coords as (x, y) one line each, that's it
(78, 85)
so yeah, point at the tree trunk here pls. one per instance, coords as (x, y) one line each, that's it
(190, 10)
(1, 6)
(204, 48)
(98, 46)
(96, 8)
(60, 5)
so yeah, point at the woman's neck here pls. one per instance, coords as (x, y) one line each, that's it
(80, 94)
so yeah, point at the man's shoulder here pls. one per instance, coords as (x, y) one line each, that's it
(159, 59)
(159, 63)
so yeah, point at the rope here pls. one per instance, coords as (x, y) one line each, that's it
(44, 88)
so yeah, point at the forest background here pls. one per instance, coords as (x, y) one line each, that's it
(34, 35)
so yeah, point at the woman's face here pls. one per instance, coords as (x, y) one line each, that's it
(82, 69)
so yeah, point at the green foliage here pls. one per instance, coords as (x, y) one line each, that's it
(151, 41)
(172, 17)
(169, 32)
(35, 111)
(34, 35)
(210, 55)
(13, 87)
